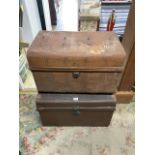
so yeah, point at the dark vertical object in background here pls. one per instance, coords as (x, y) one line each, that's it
(125, 93)
(41, 14)
(20, 18)
(52, 12)
(128, 43)
(20, 14)
(128, 78)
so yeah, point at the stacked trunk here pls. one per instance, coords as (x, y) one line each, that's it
(76, 74)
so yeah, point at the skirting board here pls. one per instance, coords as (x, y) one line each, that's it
(124, 96)
(28, 91)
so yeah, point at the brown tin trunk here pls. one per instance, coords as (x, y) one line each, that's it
(76, 62)
(76, 109)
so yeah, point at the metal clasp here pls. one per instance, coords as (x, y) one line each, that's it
(76, 110)
(76, 74)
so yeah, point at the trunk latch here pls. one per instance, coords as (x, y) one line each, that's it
(76, 108)
(76, 75)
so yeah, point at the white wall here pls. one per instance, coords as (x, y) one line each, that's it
(68, 16)
(31, 20)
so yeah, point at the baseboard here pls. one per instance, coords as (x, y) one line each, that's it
(124, 96)
(28, 91)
